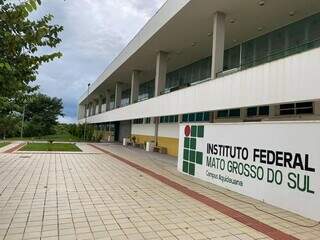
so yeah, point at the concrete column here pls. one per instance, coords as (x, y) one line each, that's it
(243, 113)
(90, 109)
(218, 43)
(100, 104)
(273, 111)
(94, 107)
(85, 110)
(135, 81)
(156, 129)
(161, 72)
(108, 100)
(118, 94)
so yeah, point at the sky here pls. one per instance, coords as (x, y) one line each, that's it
(95, 31)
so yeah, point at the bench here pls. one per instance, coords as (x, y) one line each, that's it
(159, 149)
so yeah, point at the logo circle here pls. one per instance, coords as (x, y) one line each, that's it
(187, 131)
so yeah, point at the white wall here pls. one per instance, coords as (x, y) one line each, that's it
(170, 130)
(295, 78)
(292, 137)
(143, 129)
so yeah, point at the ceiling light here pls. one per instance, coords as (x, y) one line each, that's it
(292, 13)
(235, 40)
(260, 29)
(193, 44)
(210, 34)
(261, 3)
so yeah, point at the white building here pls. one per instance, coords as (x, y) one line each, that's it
(211, 61)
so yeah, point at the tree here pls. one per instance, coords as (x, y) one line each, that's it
(41, 115)
(9, 126)
(20, 40)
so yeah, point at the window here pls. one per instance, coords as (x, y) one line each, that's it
(196, 117)
(258, 111)
(138, 121)
(231, 58)
(169, 119)
(125, 98)
(296, 108)
(194, 72)
(146, 91)
(147, 120)
(232, 113)
(304, 108)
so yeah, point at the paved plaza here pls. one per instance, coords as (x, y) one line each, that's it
(93, 195)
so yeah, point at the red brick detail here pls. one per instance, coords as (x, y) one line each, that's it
(230, 212)
(13, 149)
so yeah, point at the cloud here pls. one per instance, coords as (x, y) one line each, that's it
(95, 33)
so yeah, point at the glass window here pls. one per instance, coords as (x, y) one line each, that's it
(192, 117)
(252, 111)
(304, 108)
(261, 49)
(169, 119)
(258, 111)
(229, 113)
(264, 110)
(223, 113)
(287, 109)
(231, 58)
(234, 112)
(138, 121)
(196, 117)
(148, 120)
(146, 90)
(296, 108)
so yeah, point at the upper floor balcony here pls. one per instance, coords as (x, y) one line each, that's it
(290, 79)
(267, 48)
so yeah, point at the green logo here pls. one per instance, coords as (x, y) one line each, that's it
(192, 157)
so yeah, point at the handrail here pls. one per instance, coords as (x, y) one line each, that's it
(255, 62)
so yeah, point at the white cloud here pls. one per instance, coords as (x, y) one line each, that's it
(95, 32)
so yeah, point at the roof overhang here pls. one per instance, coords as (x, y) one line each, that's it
(183, 28)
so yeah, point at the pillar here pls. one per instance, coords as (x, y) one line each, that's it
(218, 43)
(108, 100)
(94, 107)
(118, 94)
(156, 129)
(135, 81)
(90, 109)
(100, 104)
(161, 72)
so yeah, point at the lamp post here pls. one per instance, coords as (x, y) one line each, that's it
(85, 119)
(22, 120)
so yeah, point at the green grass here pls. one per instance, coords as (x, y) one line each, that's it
(2, 144)
(56, 147)
(56, 138)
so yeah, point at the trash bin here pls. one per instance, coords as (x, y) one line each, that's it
(149, 146)
(125, 141)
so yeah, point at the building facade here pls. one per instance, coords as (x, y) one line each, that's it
(210, 61)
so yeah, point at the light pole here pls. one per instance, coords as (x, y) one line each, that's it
(22, 120)
(85, 119)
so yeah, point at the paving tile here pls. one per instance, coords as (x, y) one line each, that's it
(94, 196)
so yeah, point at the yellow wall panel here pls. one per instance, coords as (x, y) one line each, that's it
(171, 144)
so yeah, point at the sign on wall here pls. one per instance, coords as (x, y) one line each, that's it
(275, 162)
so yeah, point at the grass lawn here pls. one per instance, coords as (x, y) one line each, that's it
(57, 138)
(56, 147)
(2, 144)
